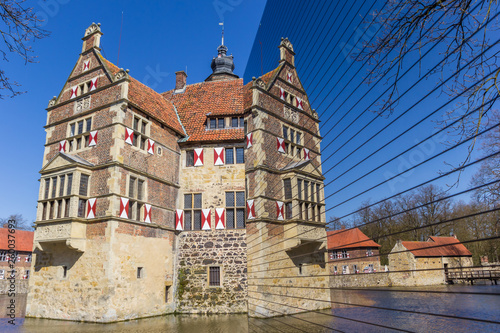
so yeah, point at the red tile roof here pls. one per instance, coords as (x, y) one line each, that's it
(348, 239)
(201, 100)
(23, 240)
(438, 247)
(149, 101)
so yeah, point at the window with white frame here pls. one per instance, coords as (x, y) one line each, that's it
(192, 211)
(79, 134)
(141, 130)
(136, 193)
(56, 190)
(235, 209)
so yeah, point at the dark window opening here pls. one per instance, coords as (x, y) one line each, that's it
(229, 156)
(190, 158)
(84, 184)
(221, 123)
(140, 272)
(240, 155)
(214, 276)
(65, 271)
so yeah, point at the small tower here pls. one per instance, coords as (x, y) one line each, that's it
(223, 65)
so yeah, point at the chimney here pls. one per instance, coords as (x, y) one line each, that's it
(286, 52)
(92, 38)
(180, 80)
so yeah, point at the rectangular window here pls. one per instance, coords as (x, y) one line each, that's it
(345, 254)
(136, 124)
(131, 187)
(47, 188)
(318, 200)
(235, 210)
(44, 211)
(89, 124)
(214, 276)
(313, 212)
(287, 186)
(81, 207)
(369, 252)
(65, 271)
(51, 210)
(140, 272)
(234, 122)
(143, 127)
(306, 190)
(72, 129)
(79, 143)
(140, 186)
(297, 138)
(299, 188)
(66, 208)
(71, 145)
(288, 210)
(213, 123)
(54, 187)
(84, 185)
(221, 123)
(242, 122)
(70, 184)
(229, 156)
(59, 208)
(292, 135)
(285, 132)
(192, 211)
(86, 140)
(190, 158)
(80, 127)
(61, 185)
(240, 155)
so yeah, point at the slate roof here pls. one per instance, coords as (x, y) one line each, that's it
(438, 247)
(24, 240)
(149, 101)
(348, 239)
(200, 101)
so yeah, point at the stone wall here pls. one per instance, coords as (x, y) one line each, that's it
(197, 251)
(21, 286)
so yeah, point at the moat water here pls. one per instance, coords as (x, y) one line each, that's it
(483, 307)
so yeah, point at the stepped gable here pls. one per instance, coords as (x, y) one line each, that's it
(200, 101)
(149, 101)
(437, 247)
(348, 238)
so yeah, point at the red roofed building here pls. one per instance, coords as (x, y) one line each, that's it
(350, 251)
(428, 263)
(22, 241)
(144, 193)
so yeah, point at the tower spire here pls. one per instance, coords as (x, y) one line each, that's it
(222, 24)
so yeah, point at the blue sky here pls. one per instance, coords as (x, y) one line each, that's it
(158, 39)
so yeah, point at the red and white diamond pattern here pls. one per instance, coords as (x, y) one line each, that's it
(91, 208)
(74, 91)
(205, 219)
(198, 157)
(289, 77)
(280, 145)
(62, 146)
(220, 220)
(129, 136)
(86, 65)
(250, 209)
(179, 219)
(93, 84)
(218, 156)
(151, 147)
(307, 154)
(147, 213)
(280, 210)
(249, 140)
(124, 208)
(282, 93)
(92, 138)
(300, 104)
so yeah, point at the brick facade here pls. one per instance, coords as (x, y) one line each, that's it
(107, 237)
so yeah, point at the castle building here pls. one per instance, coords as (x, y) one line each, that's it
(153, 203)
(20, 258)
